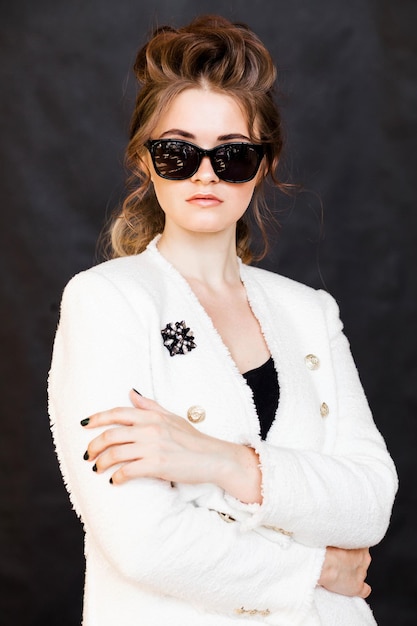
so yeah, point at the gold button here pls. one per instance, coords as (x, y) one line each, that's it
(226, 517)
(324, 410)
(280, 530)
(243, 611)
(312, 362)
(196, 414)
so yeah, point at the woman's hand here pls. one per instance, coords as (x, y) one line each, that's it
(344, 571)
(151, 442)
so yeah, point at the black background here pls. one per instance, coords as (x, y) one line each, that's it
(349, 98)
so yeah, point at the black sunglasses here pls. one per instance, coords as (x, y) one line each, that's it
(175, 159)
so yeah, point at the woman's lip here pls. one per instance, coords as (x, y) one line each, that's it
(204, 199)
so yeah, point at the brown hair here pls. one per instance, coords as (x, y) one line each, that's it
(213, 53)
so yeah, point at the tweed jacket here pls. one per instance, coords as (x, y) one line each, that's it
(161, 554)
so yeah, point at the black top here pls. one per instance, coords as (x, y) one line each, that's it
(263, 381)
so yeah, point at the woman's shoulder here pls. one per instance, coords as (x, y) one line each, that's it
(275, 281)
(289, 292)
(113, 288)
(117, 271)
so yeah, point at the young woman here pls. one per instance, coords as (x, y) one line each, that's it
(244, 479)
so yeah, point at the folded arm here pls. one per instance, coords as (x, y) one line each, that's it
(342, 498)
(143, 528)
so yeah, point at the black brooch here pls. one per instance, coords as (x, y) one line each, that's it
(178, 338)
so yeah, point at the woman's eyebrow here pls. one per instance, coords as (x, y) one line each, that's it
(179, 132)
(183, 133)
(233, 136)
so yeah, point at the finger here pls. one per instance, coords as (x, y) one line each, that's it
(109, 438)
(125, 453)
(366, 590)
(139, 468)
(118, 415)
(158, 413)
(141, 402)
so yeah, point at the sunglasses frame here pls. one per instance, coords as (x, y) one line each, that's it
(151, 145)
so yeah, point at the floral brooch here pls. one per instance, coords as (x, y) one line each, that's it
(178, 338)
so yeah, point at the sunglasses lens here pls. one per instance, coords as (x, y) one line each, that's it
(236, 163)
(175, 160)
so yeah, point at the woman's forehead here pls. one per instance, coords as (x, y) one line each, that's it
(204, 112)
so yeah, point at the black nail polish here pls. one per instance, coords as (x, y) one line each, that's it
(94, 468)
(86, 456)
(136, 391)
(85, 421)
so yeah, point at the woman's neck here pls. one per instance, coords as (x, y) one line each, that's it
(209, 258)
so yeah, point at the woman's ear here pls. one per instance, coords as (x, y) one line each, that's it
(145, 158)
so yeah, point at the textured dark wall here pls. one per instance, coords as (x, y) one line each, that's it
(348, 77)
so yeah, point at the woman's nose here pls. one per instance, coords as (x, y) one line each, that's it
(205, 172)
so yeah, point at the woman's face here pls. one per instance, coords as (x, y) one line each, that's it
(202, 203)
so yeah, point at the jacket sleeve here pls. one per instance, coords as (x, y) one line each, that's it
(143, 528)
(341, 499)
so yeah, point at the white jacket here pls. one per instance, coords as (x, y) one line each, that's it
(161, 555)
